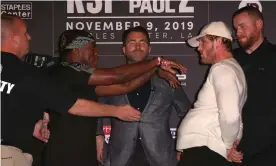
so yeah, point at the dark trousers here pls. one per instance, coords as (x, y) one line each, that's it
(265, 158)
(36, 149)
(139, 157)
(201, 156)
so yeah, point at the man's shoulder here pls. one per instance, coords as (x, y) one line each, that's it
(238, 49)
(72, 71)
(31, 72)
(161, 84)
(238, 52)
(15, 67)
(78, 67)
(223, 68)
(271, 47)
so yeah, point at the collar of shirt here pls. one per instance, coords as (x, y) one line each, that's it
(260, 50)
(79, 67)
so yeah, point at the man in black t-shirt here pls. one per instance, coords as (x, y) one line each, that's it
(72, 140)
(26, 90)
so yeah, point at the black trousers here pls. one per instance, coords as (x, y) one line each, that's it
(201, 156)
(139, 157)
(265, 158)
(36, 149)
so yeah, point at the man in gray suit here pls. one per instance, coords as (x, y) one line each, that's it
(149, 141)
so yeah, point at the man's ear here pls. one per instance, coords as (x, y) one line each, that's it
(259, 24)
(218, 43)
(124, 50)
(149, 49)
(76, 51)
(96, 52)
(16, 40)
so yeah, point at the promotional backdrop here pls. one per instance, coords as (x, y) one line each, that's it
(169, 23)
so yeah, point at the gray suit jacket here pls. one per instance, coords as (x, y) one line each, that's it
(153, 127)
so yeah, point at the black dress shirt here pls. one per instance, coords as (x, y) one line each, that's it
(140, 96)
(259, 111)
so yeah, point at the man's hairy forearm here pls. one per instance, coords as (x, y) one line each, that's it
(93, 109)
(122, 74)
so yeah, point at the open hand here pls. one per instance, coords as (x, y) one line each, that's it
(171, 78)
(127, 113)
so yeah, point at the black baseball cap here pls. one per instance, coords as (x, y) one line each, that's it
(70, 39)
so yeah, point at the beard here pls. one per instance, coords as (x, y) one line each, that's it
(210, 56)
(248, 42)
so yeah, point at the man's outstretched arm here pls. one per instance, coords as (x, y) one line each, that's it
(119, 89)
(84, 107)
(128, 72)
(123, 73)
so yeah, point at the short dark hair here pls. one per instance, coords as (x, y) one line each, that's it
(226, 42)
(135, 29)
(252, 11)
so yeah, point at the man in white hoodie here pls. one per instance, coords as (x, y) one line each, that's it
(209, 131)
